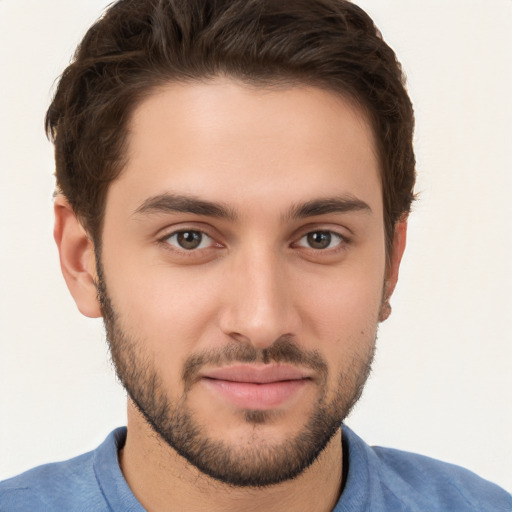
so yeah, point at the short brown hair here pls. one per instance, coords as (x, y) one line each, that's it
(138, 45)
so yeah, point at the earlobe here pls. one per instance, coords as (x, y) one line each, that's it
(393, 267)
(76, 251)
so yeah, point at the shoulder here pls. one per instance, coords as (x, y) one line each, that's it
(72, 485)
(68, 485)
(399, 480)
(445, 485)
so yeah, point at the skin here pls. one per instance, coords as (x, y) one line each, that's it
(260, 154)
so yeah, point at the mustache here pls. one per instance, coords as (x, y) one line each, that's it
(283, 350)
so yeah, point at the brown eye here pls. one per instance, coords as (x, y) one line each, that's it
(189, 240)
(319, 239)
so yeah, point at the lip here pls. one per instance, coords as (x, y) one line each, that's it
(256, 387)
(257, 373)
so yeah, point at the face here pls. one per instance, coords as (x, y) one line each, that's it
(241, 272)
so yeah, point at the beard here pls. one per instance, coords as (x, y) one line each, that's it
(256, 463)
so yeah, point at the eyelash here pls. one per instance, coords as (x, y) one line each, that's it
(341, 241)
(331, 236)
(165, 240)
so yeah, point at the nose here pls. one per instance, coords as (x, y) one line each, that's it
(259, 304)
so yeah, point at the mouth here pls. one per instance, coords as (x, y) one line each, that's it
(256, 387)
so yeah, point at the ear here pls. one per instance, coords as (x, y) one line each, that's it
(393, 266)
(77, 262)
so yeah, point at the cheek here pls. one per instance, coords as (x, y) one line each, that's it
(345, 303)
(343, 319)
(345, 330)
(170, 312)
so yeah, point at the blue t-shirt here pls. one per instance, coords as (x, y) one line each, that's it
(378, 480)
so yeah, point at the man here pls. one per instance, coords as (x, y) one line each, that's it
(234, 180)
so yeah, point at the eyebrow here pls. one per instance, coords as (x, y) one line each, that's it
(339, 204)
(171, 203)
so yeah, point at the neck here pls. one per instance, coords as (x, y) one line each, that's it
(163, 481)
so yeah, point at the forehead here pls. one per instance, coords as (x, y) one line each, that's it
(223, 140)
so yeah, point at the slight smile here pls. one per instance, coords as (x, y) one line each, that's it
(256, 387)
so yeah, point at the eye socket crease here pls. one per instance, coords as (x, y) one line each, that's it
(202, 240)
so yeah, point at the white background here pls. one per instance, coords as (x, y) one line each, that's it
(442, 383)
